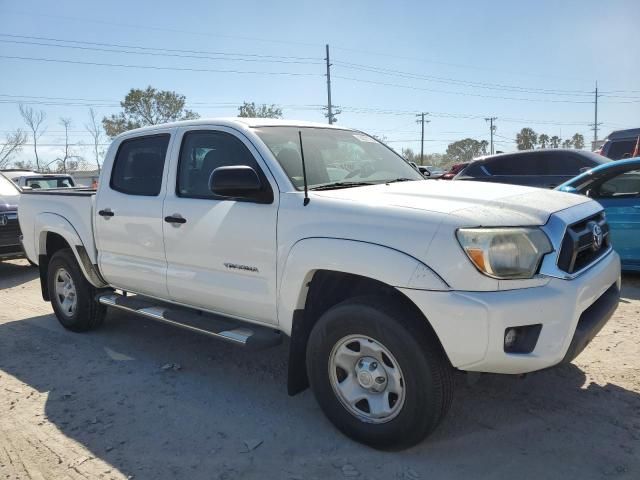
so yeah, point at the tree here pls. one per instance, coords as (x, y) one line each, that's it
(34, 120)
(526, 139)
(147, 107)
(555, 141)
(95, 130)
(543, 140)
(466, 149)
(578, 141)
(568, 143)
(250, 110)
(408, 154)
(70, 160)
(13, 143)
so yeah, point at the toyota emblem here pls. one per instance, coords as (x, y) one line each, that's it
(597, 237)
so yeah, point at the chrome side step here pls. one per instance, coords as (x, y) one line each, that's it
(254, 337)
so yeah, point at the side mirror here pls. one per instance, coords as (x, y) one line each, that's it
(236, 181)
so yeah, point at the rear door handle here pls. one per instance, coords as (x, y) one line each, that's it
(175, 218)
(106, 213)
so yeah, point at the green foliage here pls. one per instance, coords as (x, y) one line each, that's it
(568, 143)
(543, 140)
(527, 139)
(554, 141)
(147, 107)
(250, 110)
(466, 149)
(578, 141)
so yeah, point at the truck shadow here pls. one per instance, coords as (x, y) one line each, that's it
(158, 402)
(630, 286)
(16, 272)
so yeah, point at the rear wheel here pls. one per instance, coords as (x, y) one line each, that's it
(72, 296)
(378, 374)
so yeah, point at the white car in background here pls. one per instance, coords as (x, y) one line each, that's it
(35, 180)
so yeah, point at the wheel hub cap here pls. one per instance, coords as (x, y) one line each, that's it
(367, 379)
(371, 375)
(65, 292)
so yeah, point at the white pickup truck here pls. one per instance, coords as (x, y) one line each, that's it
(249, 230)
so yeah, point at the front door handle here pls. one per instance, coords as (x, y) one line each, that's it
(175, 218)
(106, 213)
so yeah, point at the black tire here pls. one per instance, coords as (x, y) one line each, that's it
(427, 373)
(88, 313)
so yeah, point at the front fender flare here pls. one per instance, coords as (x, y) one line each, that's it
(377, 262)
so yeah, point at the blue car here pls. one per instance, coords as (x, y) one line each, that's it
(616, 186)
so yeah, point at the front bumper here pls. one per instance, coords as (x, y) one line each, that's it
(471, 325)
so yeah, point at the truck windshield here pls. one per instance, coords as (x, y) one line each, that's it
(342, 157)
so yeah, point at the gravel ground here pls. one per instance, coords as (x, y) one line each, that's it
(101, 405)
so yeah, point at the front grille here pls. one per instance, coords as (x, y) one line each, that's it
(579, 249)
(10, 233)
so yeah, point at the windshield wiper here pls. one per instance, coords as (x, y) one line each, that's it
(401, 179)
(336, 185)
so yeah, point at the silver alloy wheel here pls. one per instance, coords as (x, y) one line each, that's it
(366, 378)
(66, 296)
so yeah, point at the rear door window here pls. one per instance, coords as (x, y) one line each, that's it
(139, 163)
(564, 165)
(621, 149)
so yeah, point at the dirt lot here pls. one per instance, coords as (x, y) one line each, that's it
(100, 405)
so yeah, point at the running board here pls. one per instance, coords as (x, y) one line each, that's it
(254, 337)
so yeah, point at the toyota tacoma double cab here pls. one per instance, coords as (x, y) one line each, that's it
(250, 230)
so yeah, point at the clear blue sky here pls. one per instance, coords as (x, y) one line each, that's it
(448, 58)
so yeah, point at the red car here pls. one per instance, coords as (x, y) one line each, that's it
(454, 170)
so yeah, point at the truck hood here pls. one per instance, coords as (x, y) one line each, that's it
(475, 203)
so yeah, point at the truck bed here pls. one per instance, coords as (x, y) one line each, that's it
(67, 208)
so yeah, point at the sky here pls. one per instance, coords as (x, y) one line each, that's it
(528, 63)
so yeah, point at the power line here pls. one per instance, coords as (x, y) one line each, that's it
(238, 57)
(448, 92)
(154, 67)
(453, 81)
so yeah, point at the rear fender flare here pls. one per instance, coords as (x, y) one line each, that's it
(46, 223)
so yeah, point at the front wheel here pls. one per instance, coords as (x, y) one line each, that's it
(72, 296)
(378, 374)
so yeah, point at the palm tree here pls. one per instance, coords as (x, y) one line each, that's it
(567, 143)
(526, 139)
(578, 141)
(543, 140)
(555, 141)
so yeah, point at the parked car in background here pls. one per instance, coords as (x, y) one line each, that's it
(545, 168)
(616, 186)
(31, 179)
(454, 170)
(620, 144)
(10, 245)
(436, 172)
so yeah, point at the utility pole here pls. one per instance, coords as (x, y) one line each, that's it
(422, 121)
(492, 129)
(595, 120)
(329, 106)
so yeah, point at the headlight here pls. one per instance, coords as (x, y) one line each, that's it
(505, 253)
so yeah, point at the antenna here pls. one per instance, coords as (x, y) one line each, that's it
(304, 172)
